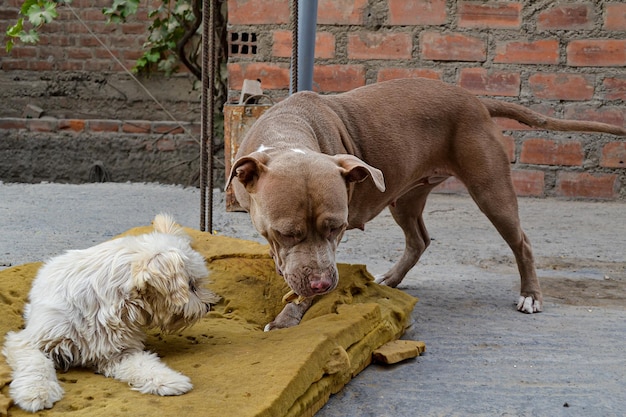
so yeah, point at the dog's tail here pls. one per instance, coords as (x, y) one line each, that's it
(165, 223)
(531, 118)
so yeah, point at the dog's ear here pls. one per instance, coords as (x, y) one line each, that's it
(165, 274)
(248, 168)
(355, 170)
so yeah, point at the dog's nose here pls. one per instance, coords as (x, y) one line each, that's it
(320, 286)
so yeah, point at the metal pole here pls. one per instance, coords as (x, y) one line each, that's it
(208, 106)
(307, 22)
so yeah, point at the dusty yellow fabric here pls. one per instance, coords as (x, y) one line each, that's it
(236, 368)
(398, 350)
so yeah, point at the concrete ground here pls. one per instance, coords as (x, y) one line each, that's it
(482, 357)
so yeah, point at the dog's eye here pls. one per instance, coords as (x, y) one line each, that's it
(289, 238)
(333, 232)
(192, 287)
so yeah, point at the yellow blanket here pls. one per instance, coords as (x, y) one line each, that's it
(236, 368)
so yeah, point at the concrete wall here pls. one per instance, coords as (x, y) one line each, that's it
(78, 151)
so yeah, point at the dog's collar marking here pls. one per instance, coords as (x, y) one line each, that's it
(264, 148)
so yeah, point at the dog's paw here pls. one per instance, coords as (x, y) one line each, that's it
(35, 395)
(280, 324)
(387, 280)
(528, 305)
(164, 383)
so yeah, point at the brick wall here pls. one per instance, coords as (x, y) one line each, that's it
(66, 45)
(562, 58)
(70, 74)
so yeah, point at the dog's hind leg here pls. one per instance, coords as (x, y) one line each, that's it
(492, 189)
(145, 373)
(407, 212)
(35, 385)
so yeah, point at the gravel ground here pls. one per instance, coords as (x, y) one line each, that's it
(482, 358)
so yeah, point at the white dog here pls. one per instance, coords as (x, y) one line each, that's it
(89, 308)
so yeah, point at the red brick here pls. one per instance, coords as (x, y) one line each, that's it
(452, 47)
(373, 45)
(495, 15)
(567, 16)
(614, 155)
(585, 185)
(273, 76)
(282, 44)
(528, 183)
(258, 12)
(539, 151)
(139, 28)
(538, 52)
(42, 125)
(417, 12)
(615, 88)
(337, 78)
(494, 83)
(14, 64)
(136, 126)
(54, 39)
(614, 115)
(39, 66)
(12, 123)
(387, 73)
(79, 53)
(341, 12)
(615, 16)
(171, 128)
(90, 14)
(75, 125)
(26, 52)
(104, 125)
(561, 86)
(597, 53)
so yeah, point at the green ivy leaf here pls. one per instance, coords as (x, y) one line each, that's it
(40, 14)
(29, 37)
(14, 31)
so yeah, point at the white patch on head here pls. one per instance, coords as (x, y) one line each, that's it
(296, 150)
(263, 148)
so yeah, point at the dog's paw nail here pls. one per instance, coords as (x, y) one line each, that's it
(528, 305)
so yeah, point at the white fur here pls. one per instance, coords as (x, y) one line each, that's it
(264, 148)
(90, 308)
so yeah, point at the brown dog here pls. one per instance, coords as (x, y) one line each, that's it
(313, 166)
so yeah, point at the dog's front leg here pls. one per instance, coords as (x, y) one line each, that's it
(145, 373)
(291, 315)
(35, 385)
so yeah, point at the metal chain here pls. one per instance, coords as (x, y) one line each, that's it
(294, 46)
